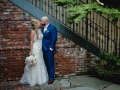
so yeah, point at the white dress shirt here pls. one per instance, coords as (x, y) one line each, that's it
(45, 29)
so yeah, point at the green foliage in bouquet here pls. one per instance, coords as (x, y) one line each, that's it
(109, 65)
(79, 10)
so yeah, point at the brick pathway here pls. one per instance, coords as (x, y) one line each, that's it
(15, 85)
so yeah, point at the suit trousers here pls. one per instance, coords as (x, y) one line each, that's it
(49, 61)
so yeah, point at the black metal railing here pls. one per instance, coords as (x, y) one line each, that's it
(97, 29)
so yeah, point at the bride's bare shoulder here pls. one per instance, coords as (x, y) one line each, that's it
(32, 32)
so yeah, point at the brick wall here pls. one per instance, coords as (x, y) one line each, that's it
(70, 59)
(14, 40)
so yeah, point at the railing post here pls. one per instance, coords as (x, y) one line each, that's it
(108, 36)
(119, 45)
(41, 4)
(86, 25)
(48, 7)
(116, 40)
(36, 3)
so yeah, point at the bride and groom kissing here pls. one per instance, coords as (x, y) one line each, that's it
(43, 38)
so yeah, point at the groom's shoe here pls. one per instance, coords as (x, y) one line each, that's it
(50, 81)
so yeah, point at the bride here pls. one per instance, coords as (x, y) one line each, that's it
(36, 74)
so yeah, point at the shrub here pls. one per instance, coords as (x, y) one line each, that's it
(109, 65)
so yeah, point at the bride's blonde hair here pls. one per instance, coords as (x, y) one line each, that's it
(33, 23)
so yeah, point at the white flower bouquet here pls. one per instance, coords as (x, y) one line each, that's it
(31, 60)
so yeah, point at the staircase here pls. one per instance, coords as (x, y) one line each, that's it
(93, 33)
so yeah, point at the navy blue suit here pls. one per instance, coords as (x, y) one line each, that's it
(49, 41)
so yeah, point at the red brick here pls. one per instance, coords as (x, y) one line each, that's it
(68, 57)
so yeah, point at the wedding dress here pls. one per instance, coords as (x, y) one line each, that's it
(36, 74)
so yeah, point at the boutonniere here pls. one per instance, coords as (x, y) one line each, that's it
(45, 30)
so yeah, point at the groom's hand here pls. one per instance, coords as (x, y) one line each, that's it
(51, 49)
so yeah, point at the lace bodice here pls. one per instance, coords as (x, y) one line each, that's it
(38, 42)
(40, 36)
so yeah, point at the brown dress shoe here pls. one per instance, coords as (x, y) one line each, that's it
(50, 82)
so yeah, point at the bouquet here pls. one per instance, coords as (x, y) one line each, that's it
(31, 60)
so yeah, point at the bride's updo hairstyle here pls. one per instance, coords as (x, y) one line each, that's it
(33, 23)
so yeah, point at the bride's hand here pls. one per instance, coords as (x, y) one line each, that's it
(30, 53)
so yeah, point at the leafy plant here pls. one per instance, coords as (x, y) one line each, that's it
(78, 10)
(109, 65)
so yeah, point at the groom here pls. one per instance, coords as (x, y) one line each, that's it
(48, 43)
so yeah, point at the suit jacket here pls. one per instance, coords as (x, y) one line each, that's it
(49, 37)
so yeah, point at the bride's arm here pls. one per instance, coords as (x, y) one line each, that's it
(32, 34)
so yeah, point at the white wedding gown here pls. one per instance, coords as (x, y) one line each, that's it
(36, 74)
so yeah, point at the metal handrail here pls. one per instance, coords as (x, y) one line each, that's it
(95, 28)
